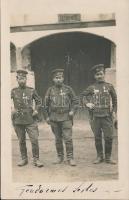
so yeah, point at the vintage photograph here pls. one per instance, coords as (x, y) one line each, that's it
(63, 94)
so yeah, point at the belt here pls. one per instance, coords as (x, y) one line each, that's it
(60, 111)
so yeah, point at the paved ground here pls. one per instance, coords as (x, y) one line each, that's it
(84, 151)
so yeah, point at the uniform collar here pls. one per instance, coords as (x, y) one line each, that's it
(22, 87)
(59, 87)
(100, 82)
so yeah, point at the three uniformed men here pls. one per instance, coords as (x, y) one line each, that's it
(60, 105)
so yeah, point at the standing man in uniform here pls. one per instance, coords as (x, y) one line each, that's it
(98, 99)
(60, 106)
(23, 117)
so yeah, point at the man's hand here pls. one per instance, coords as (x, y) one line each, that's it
(13, 111)
(114, 116)
(48, 120)
(90, 105)
(71, 113)
(35, 112)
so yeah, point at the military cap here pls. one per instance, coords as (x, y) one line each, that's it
(98, 68)
(22, 72)
(57, 72)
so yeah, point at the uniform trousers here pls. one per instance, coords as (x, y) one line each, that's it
(103, 125)
(32, 130)
(63, 132)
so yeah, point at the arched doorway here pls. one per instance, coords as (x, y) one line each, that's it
(75, 52)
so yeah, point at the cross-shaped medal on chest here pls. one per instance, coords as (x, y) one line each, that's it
(62, 93)
(62, 97)
(25, 98)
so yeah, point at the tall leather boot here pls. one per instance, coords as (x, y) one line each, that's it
(23, 162)
(60, 153)
(69, 152)
(108, 151)
(37, 162)
(99, 149)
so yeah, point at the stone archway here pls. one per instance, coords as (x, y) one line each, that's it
(76, 52)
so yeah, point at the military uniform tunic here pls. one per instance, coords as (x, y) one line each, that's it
(24, 99)
(59, 101)
(103, 96)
